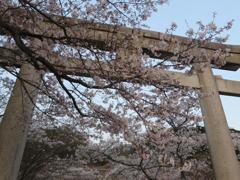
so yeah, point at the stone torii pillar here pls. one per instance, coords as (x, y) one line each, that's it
(223, 156)
(16, 120)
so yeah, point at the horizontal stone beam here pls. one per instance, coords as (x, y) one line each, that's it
(228, 87)
(104, 37)
(148, 76)
(100, 32)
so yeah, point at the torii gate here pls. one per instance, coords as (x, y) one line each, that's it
(19, 110)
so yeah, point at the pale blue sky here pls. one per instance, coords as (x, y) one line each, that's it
(191, 11)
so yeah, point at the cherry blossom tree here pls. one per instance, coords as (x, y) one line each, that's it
(184, 156)
(117, 92)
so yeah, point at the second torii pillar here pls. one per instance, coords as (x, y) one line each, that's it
(223, 156)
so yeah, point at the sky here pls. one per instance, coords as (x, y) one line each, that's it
(185, 13)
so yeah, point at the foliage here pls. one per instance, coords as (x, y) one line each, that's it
(46, 146)
(185, 156)
(116, 90)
